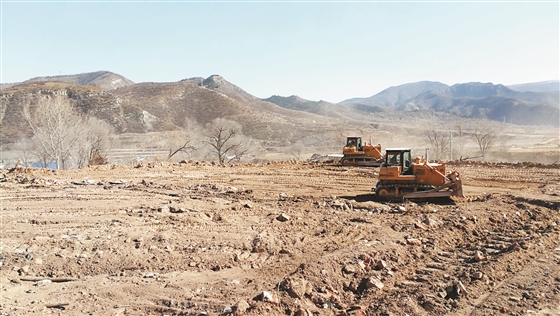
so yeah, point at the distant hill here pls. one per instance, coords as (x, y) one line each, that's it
(317, 107)
(353, 111)
(496, 108)
(482, 90)
(543, 86)
(474, 100)
(105, 80)
(489, 101)
(393, 96)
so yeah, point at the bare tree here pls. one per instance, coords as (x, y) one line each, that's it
(439, 142)
(61, 135)
(297, 150)
(25, 147)
(93, 143)
(459, 142)
(44, 157)
(55, 129)
(245, 145)
(182, 141)
(484, 136)
(184, 147)
(224, 138)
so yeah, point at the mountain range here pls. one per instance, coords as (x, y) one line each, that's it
(516, 104)
(144, 107)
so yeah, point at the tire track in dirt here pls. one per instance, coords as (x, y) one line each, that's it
(472, 263)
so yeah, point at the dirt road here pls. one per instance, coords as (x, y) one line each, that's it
(276, 239)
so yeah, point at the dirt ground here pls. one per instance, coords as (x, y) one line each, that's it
(276, 239)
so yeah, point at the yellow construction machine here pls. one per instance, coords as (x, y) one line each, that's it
(401, 177)
(357, 154)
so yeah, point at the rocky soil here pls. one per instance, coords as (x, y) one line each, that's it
(276, 239)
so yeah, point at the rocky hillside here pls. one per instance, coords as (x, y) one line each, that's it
(153, 107)
(24, 98)
(105, 80)
(172, 103)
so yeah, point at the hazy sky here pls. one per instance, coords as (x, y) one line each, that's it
(318, 50)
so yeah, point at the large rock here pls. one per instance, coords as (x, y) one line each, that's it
(369, 205)
(295, 287)
(241, 307)
(374, 283)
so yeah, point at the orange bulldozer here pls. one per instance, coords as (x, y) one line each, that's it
(401, 177)
(357, 154)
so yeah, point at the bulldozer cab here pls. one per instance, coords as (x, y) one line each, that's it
(400, 157)
(354, 142)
